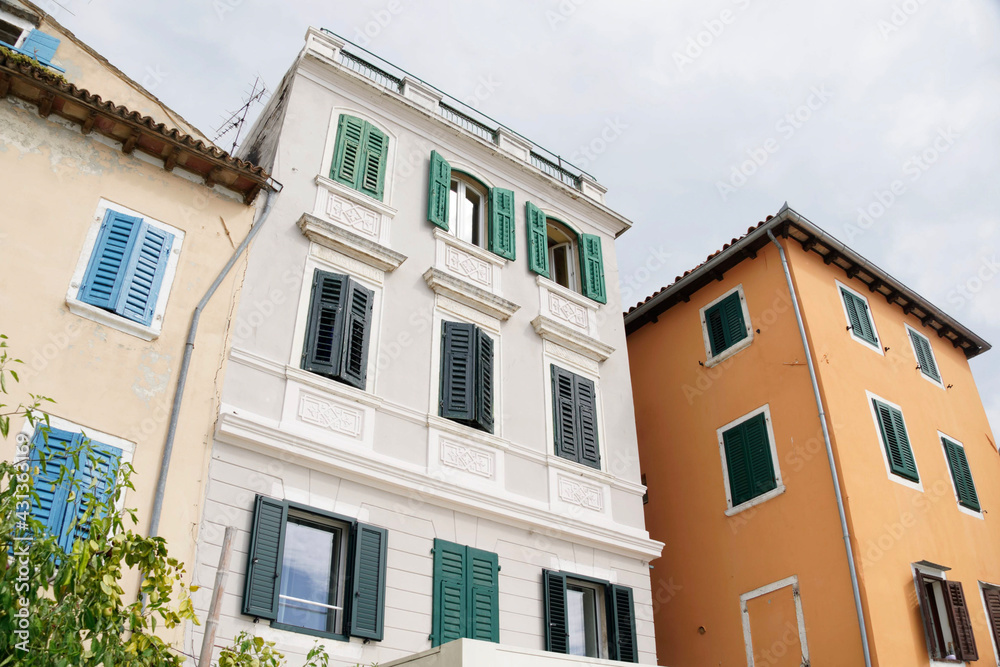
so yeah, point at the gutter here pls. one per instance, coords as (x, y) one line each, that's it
(175, 411)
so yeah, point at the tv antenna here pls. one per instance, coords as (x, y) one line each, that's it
(257, 95)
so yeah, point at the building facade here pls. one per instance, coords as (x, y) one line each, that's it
(426, 432)
(115, 226)
(741, 488)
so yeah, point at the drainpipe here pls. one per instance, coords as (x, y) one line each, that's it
(175, 410)
(829, 452)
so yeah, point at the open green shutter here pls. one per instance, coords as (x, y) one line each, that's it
(374, 154)
(367, 602)
(897, 443)
(567, 439)
(322, 350)
(267, 535)
(482, 578)
(586, 421)
(356, 335)
(925, 357)
(502, 241)
(556, 627)
(484, 380)
(623, 610)
(859, 317)
(346, 167)
(440, 191)
(962, 475)
(448, 620)
(458, 371)
(592, 268)
(538, 239)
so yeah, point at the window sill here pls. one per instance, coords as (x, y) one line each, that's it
(114, 321)
(311, 633)
(572, 339)
(729, 351)
(348, 243)
(874, 347)
(355, 196)
(971, 512)
(753, 502)
(466, 293)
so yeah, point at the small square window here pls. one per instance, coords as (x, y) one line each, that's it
(726, 326)
(749, 461)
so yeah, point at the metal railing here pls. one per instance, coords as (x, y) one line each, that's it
(555, 170)
(369, 71)
(469, 123)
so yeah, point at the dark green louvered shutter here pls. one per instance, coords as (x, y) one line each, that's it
(567, 439)
(368, 581)
(556, 627)
(483, 573)
(725, 323)
(322, 352)
(925, 356)
(440, 191)
(859, 317)
(347, 159)
(592, 268)
(502, 228)
(458, 371)
(267, 534)
(357, 334)
(623, 608)
(748, 460)
(897, 444)
(375, 151)
(961, 474)
(586, 419)
(484, 381)
(538, 239)
(450, 607)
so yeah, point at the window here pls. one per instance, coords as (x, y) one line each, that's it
(359, 156)
(991, 600)
(466, 594)
(961, 475)
(725, 326)
(467, 384)
(9, 33)
(859, 319)
(946, 618)
(315, 572)
(129, 271)
(926, 363)
(37, 44)
(892, 430)
(574, 406)
(338, 331)
(572, 260)
(64, 499)
(588, 617)
(749, 459)
(468, 210)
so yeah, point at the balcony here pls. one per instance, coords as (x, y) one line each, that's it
(471, 653)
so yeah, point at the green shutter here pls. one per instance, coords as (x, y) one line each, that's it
(748, 460)
(440, 191)
(925, 356)
(263, 574)
(484, 381)
(322, 350)
(592, 268)
(859, 317)
(502, 230)
(357, 335)
(346, 167)
(458, 371)
(567, 439)
(482, 579)
(538, 239)
(725, 323)
(367, 602)
(586, 419)
(961, 474)
(374, 153)
(556, 628)
(623, 608)
(897, 444)
(448, 620)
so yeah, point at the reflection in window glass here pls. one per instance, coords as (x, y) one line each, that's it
(582, 616)
(310, 595)
(466, 211)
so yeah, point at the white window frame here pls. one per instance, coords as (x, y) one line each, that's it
(711, 361)
(986, 612)
(942, 612)
(792, 581)
(601, 600)
(916, 486)
(458, 230)
(964, 510)
(106, 317)
(757, 500)
(18, 22)
(913, 348)
(877, 347)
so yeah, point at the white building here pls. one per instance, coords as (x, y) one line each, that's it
(426, 430)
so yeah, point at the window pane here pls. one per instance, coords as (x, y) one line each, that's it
(9, 33)
(581, 617)
(473, 203)
(453, 207)
(308, 577)
(560, 265)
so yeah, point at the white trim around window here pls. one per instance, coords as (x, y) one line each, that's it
(916, 486)
(877, 347)
(764, 497)
(916, 359)
(736, 347)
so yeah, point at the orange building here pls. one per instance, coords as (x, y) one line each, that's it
(789, 394)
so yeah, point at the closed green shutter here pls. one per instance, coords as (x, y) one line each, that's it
(375, 152)
(440, 191)
(961, 474)
(586, 416)
(322, 351)
(538, 239)
(859, 317)
(263, 574)
(347, 159)
(502, 228)
(458, 371)
(897, 444)
(484, 595)
(556, 627)
(592, 268)
(367, 602)
(484, 381)
(449, 620)
(925, 356)
(357, 334)
(567, 439)
(623, 608)
(725, 323)
(748, 460)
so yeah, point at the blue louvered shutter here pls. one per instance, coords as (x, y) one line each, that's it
(368, 582)
(263, 577)
(50, 484)
(623, 608)
(556, 622)
(40, 46)
(96, 476)
(483, 585)
(105, 276)
(450, 597)
(144, 275)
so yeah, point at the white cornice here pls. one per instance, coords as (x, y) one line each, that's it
(348, 243)
(569, 338)
(472, 296)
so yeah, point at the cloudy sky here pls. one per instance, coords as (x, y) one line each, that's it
(834, 105)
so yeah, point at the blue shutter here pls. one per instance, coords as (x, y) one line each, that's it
(144, 275)
(96, 476)
(368, 582)
(55, 446)
(40, 46)
(105, 276)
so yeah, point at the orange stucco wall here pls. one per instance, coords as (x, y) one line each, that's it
(710, 559)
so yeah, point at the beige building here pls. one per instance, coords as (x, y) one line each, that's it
(117, 221)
